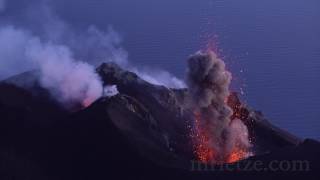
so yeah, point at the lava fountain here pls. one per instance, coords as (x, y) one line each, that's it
(218, 136)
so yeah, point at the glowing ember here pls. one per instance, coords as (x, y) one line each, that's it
(202, 149)
(204, 152)
(87, 102)
(237, 155)
(217, 129)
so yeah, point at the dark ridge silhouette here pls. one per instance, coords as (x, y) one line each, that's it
(141, 133)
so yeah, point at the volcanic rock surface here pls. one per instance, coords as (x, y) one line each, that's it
(141, 133)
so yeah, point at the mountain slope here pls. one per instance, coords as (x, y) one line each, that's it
(141, 133)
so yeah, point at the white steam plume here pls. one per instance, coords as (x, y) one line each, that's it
(70, 80)
(208, 83)
(91, 45)
(159, 77)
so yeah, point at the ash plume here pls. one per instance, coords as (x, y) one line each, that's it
(208, 82)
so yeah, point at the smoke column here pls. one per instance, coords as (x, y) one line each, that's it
(217, 137)
(69, 80)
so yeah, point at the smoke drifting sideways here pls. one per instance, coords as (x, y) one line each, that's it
(218, 139)
(66, 56)
(67, 79)
(72, 80)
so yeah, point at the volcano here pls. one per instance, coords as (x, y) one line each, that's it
(142, 132)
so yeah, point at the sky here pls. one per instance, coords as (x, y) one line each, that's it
(272, 47)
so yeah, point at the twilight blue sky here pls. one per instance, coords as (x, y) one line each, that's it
(272, 47)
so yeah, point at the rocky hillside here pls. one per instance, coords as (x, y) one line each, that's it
(141, 133)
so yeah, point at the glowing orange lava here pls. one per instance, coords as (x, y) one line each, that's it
(202, 149)
(237, 154)
(204, 152)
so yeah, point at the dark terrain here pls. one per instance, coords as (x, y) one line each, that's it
(141, 133)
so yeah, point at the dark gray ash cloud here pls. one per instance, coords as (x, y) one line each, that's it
(208, 83)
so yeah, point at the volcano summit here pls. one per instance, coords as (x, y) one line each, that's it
(139, 130)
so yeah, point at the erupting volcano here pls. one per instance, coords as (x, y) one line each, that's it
(80, 101)
(146, 126)
(218, 138)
